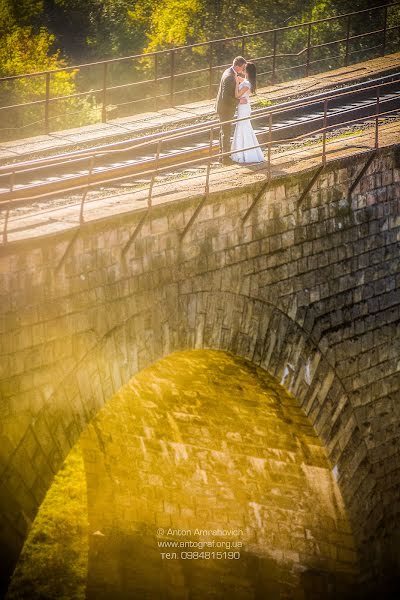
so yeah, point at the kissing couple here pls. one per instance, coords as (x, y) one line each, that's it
(237, 83)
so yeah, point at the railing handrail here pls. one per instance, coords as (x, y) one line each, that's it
(199, 44)
(193, 161)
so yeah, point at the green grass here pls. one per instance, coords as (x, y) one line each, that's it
(262, 102)
(332, 137)
(53, 562)
(348, 134)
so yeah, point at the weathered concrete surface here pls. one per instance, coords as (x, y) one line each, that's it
(310, 293)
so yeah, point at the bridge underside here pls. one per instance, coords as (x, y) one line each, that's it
(205, 452)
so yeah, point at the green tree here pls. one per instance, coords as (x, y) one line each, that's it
(94, 29)
(18, 13)
(174, 22)
(46, 34)
(23, 51)
(169, 23)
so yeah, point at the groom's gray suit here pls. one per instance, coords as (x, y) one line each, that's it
(225, 106)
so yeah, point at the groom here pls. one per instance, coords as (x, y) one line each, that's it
(226, 104)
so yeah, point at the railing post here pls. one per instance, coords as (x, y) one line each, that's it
(207, 184)
(12, 181)
(47, 105)
(210, 71)
(243, 45)
(274, 51)
(384, 31)
(7, 215)
(5, 227)
(90, 171)
(378, 108)
(154, 174)
(104, 94)
(269, 145)
(155, 80)
(172, 86)
(346, 58)
(308, 50)
(324, 132)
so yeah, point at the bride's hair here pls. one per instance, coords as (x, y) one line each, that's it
(251, 73)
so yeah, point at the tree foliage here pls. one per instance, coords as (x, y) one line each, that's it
(94, 29)
(18, 13)
(169, 23)
(26, 49)
(98, 29)
(177, 22)
(47, 34)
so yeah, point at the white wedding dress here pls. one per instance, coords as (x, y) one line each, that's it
(244, 136)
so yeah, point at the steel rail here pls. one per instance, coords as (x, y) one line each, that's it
(7, 204)
(37, 166)
(171, 160)
(161, 184)
(174, 134)
(168, 160)
(32, 167)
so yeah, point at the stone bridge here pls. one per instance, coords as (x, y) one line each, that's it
(308, 291)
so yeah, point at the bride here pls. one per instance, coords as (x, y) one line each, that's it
(244, 136)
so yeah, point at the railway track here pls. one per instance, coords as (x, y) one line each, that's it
(136, 158)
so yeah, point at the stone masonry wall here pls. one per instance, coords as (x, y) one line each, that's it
(309, 292)
(203, 441)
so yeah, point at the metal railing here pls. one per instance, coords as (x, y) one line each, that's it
(153, 169)
(165, 83)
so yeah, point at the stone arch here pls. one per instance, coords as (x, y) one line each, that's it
(233, 451)
(248, 327)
